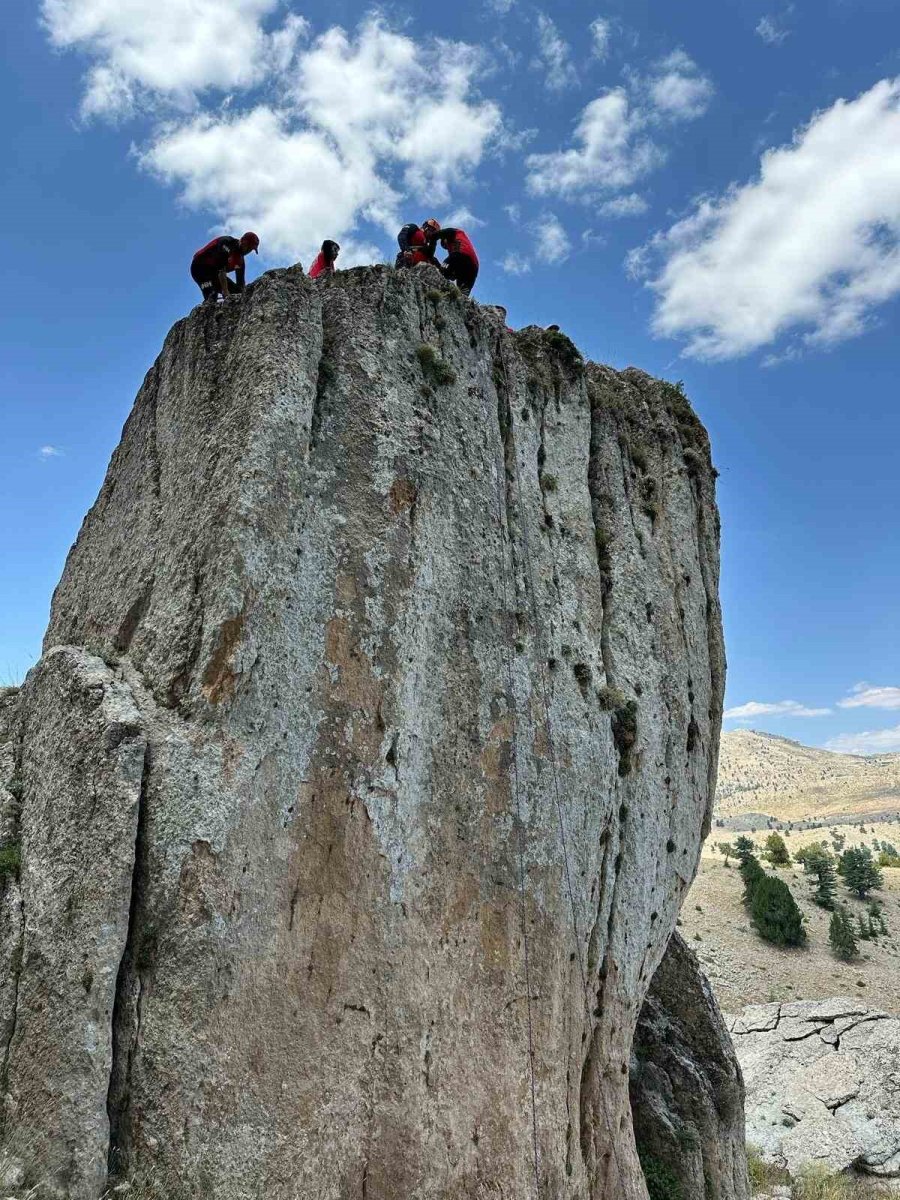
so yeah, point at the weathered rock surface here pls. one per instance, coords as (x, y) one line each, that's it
(687, 1094)
(391, 636)
(823, 1084)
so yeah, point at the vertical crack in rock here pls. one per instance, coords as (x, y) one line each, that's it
(126, 1013)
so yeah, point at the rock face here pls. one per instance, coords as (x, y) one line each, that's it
(823, 1084)
(367, 765)
(687, 1094)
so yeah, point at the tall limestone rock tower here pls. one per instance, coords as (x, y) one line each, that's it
(349, 811)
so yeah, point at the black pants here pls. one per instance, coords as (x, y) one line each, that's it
(461, 269)
(208, 281)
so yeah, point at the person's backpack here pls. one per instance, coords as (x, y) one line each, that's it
(403, 237)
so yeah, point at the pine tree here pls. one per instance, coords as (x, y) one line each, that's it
(859, 871)
(743, 848)
(824, 881)
(775, 914)
(865, 932)
(751, 873)
(841, 935)
(776, 852)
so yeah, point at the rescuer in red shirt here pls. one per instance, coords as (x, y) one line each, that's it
(212, 262)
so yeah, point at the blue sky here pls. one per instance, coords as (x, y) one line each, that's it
(710, 191)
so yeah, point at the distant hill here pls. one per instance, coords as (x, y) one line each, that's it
(762, 774)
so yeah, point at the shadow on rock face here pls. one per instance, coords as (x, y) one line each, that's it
(687, 1093)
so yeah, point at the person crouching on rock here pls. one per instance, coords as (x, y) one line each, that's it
(324, 264)
(212, 263)
(461, 263)
(414, 248)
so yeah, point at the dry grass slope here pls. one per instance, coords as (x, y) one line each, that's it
(760, 773)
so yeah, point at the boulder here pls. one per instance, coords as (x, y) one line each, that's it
(822, 1085)
(687, 1095)
(367, 765)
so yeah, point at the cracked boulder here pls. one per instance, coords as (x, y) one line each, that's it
(392, 640)
(823, 1086)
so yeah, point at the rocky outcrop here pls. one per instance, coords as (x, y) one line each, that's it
(687, 1094)
(823, 1086)
(368, 762)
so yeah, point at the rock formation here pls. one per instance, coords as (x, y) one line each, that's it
(687, 1094)
(367, 764)
(823, 1085)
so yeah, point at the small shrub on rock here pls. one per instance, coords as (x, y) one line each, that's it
(662, 1184)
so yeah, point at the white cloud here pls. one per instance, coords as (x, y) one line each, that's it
(630, 205)
(771, 32)
(610, 151)
(366, 120)
(780, 708)
(678, 89)
(601, 34)
(171, 48)
(613, 146)
(865, 695)
(552, 243)
(812, 246)
(514, 264)
(554, 56)
(873, 741)
(46, 452)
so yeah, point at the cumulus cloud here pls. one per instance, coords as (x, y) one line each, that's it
(601, 36)
(811, 247)
(630, 205)
(551, 241)
(866, 695)
(554, 56)
(779, 708)
(46, 452)
(678, 89)
(873, 741)
(614, 142)
(610, 151)
(364, 121)
(771, 32)
(170, 48)
(514, 264)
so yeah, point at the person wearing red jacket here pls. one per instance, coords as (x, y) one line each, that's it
(324, 264)
(461, 263)
(413, 247)
(211, 264)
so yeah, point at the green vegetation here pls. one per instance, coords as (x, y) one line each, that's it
(435, 370)
(744, 848)
(10, 859)
(763, 1174)
(776, 852)
(624, 731)
(775, 914)
(859, 871)
(610, 698)
(662, 1184)
(564, 349)
(841, 935)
